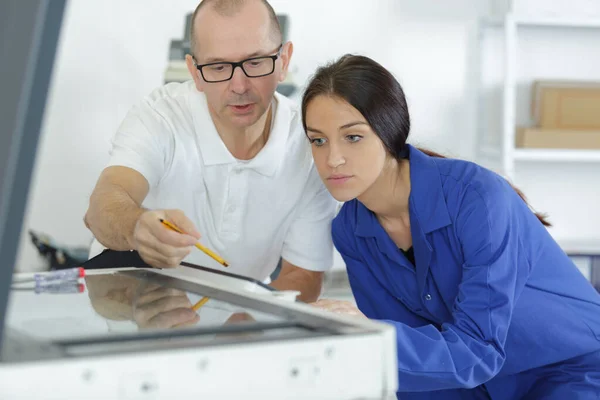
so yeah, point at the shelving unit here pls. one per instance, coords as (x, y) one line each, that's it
(507, 154)
(504, 156)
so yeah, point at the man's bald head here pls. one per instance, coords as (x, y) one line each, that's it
(229, 8)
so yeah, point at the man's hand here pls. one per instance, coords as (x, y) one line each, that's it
(158, 245)
(163, 308)
(119, 222)
(339, 307)
(112, 295)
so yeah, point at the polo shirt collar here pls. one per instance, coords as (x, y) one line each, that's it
(270, 157)
(212, 148)
(214, 151)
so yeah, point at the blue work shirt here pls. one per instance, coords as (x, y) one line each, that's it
(491, 295)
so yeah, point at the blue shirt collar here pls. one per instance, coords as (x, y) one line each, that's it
(426, 201)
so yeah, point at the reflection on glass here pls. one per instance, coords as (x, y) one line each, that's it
(121, 304)
(152, 306)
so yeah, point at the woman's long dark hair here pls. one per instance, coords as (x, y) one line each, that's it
(376, 94)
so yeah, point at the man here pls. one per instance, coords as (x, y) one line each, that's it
(223, 155)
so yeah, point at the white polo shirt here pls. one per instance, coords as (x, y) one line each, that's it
(249, 212)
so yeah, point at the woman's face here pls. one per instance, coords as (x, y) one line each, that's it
(348, 154)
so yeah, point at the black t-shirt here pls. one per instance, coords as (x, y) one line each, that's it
(410, 255)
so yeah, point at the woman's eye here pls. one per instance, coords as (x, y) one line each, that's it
(318, 141)
(354, 138)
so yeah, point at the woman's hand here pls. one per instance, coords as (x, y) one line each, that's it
(339, 307)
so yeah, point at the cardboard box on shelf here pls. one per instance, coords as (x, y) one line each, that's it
(536, 138)
(571, 105)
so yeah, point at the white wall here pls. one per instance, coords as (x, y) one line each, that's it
(111, 53)
(106, 62)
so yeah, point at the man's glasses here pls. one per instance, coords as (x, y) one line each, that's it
(254, 67)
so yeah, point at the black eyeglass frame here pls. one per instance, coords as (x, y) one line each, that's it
(240, 64)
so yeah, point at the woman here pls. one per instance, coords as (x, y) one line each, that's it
(484, 302)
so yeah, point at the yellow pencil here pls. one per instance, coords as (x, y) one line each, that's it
(198, 245)
(200, 303)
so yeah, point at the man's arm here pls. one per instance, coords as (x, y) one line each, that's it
(307, 249)
(291, 277)
(115, 207)
(118, 221)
